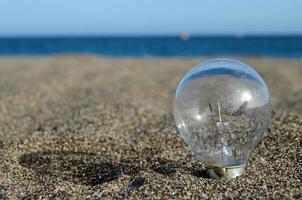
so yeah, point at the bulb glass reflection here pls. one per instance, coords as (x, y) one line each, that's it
(222, 109)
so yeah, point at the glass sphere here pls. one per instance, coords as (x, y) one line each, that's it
(222, 109)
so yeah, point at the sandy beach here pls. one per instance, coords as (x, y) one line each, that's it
(79, 126)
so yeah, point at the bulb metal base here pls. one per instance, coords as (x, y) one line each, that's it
(225, 172)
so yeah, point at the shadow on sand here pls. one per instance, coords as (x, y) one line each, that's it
(89, 169)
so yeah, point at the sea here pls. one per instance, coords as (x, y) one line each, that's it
(155, 46)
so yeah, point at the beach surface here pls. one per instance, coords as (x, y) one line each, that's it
(78, 127)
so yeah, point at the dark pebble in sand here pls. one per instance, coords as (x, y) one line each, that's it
(137, 182)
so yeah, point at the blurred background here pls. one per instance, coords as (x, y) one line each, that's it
(138, 28)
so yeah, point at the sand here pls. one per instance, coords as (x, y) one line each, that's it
(78, 127)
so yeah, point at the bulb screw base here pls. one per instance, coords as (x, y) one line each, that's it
(225, 172)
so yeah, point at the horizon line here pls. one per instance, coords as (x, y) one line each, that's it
(238, 35)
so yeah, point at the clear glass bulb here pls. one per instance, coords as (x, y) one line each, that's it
(222, 109)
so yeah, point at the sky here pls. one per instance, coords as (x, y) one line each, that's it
(153, 17)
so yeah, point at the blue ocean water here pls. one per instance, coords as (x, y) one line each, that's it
(267, 46)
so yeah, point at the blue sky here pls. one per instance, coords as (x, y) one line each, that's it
(156, 17)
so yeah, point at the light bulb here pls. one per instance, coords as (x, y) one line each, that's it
(222, 108)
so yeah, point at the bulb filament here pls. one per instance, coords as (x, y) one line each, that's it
(220, 127)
